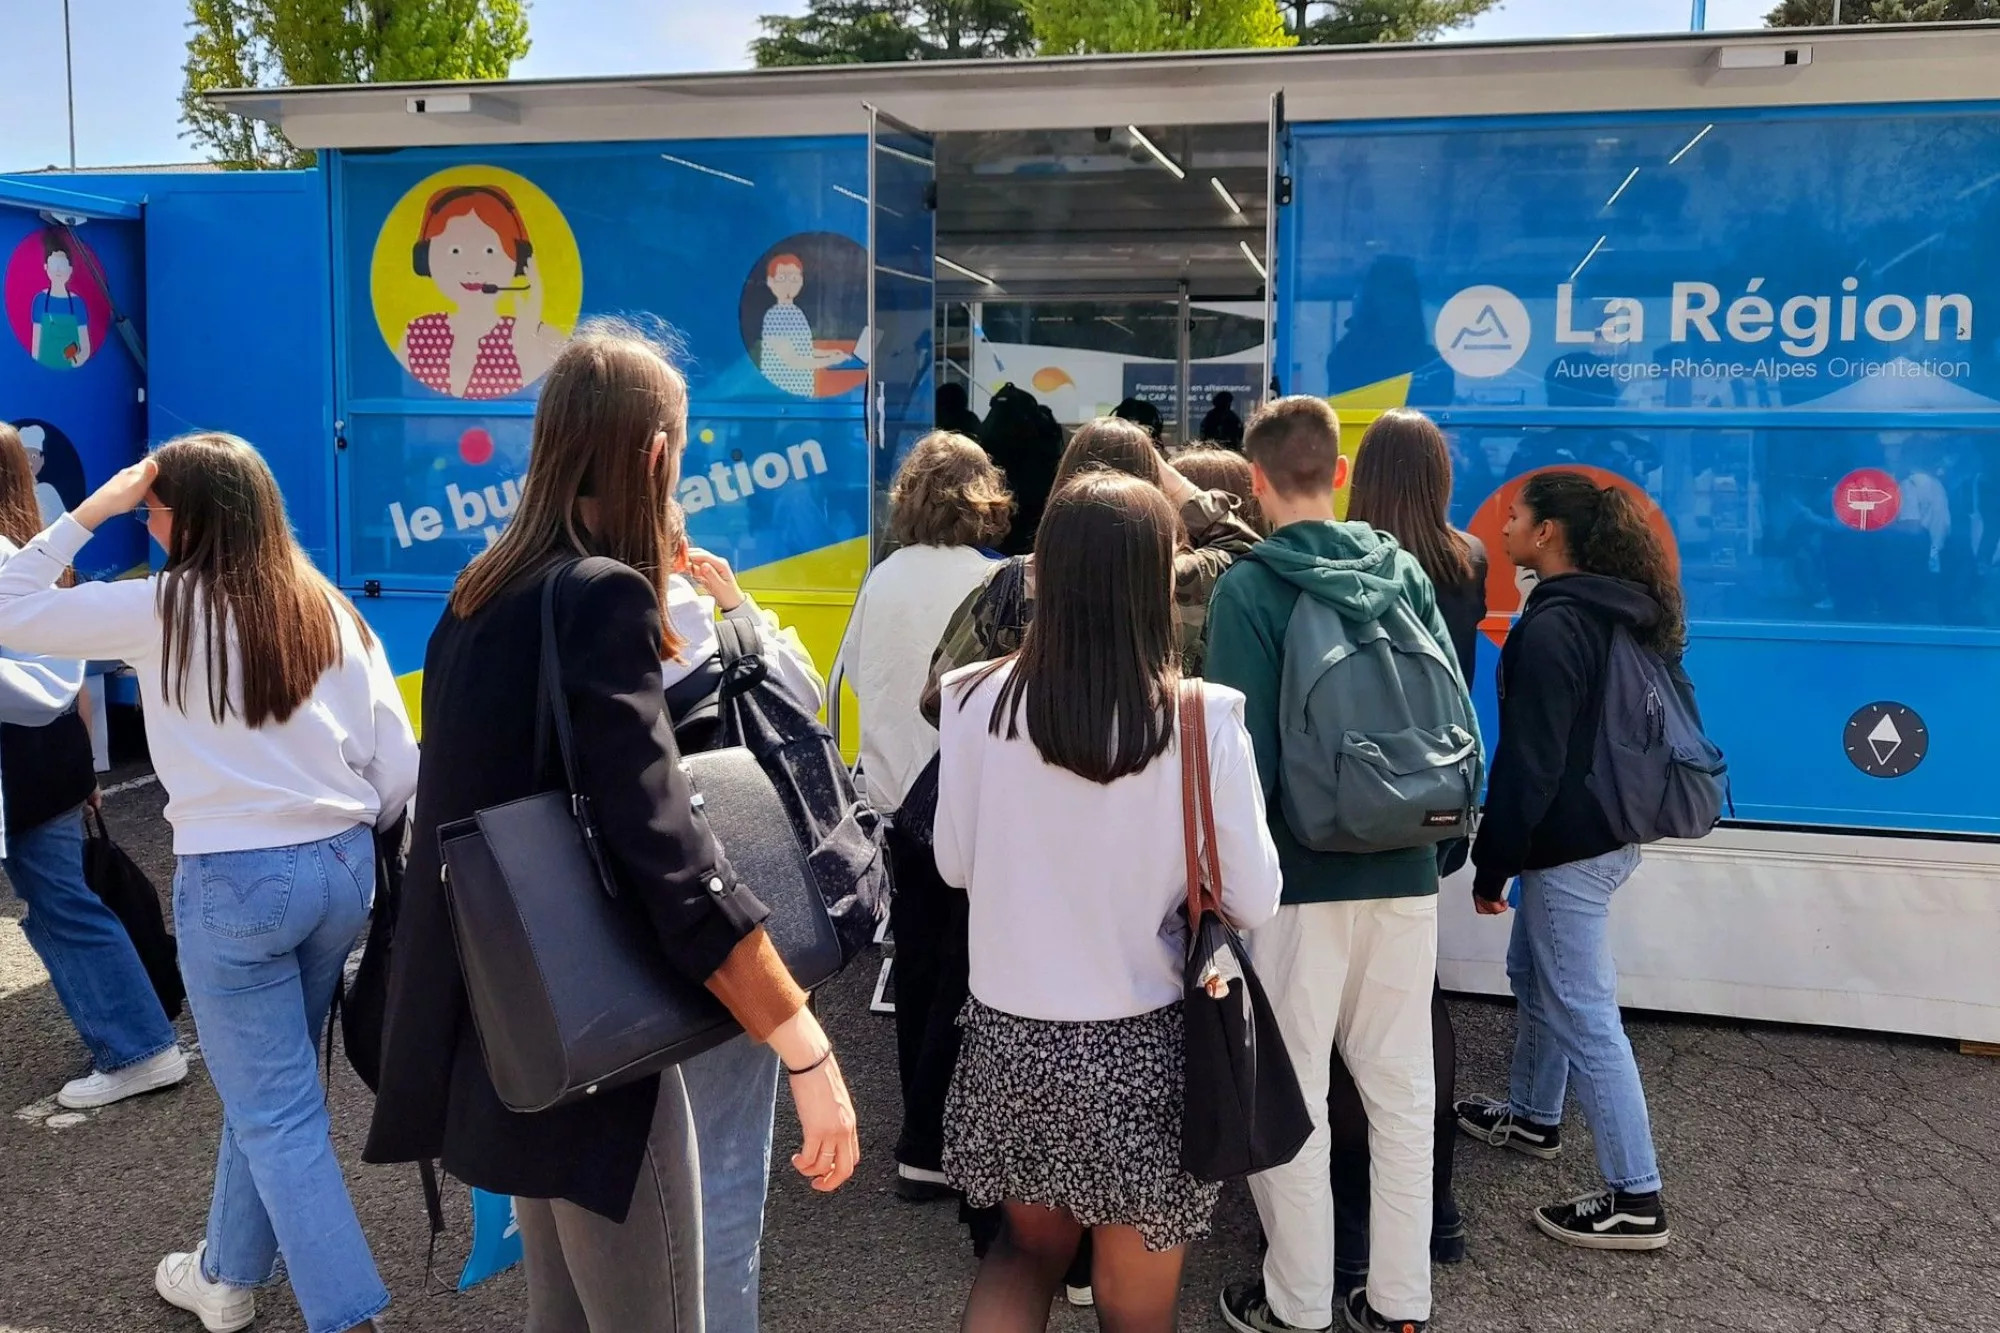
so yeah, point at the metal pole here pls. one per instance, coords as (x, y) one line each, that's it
(69, 86)
(1836, 13)
(1698, 20)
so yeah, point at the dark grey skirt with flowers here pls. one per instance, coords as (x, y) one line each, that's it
(1085, 1117)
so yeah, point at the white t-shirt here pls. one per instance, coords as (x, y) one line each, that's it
(346, 756)
(899, 616)
(1073, 883)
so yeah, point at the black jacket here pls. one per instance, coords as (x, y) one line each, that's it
(480, 681)
(1538, 811)
(1463, 606)
(48, 771)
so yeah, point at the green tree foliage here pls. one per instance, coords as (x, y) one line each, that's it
(1073, 27)
(856, 32)
(1354, 22)
(1819, 13)
(299, 43)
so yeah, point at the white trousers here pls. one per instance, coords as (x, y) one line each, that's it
(1356, 977)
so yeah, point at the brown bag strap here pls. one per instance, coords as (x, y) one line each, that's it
(1204, 864)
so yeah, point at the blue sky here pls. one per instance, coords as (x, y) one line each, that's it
(128, 57)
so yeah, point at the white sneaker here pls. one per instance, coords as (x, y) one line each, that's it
(97, 1089)
(220, 1307)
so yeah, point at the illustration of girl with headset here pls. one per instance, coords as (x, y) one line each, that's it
(59, 317)
(474, 245)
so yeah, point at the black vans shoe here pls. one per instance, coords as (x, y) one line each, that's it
(1361, 1318)
(1494, 1122)
(1607, 1221)
(1246, 1309)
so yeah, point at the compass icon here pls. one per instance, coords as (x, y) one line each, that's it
(1887, 740)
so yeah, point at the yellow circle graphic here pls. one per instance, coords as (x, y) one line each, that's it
(476, 282)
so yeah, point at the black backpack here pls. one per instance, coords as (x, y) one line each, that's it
(732, 700)
(1656, 773)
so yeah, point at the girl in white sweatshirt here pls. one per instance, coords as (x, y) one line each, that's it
(277, 730)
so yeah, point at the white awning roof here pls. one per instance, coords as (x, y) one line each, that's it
(1922, 63)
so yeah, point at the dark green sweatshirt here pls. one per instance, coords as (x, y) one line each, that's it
(1360, 572)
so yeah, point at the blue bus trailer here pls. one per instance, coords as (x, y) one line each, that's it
(1749, 277)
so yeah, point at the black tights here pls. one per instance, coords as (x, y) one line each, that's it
(1136, 1290)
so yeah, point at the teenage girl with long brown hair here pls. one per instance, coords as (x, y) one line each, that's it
(278, 733)
(46, 777)
(1598, 565)
(607, 1190)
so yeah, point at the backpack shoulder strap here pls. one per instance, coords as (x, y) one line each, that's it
(737, 638)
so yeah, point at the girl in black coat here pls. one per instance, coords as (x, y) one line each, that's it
(606, 1190)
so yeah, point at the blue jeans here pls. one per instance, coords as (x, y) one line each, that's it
(733, 1091)
(92, 965)
(263, 937)
(1567, 986)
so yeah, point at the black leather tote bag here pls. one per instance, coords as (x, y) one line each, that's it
(570, 991)
(1244, 1112)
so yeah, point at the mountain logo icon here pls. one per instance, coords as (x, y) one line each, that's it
(1483, 331)
(1487, 333)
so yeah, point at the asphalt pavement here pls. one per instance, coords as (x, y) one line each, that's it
(1818, 1182)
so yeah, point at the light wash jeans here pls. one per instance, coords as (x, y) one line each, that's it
(263, 935)
(1566, 984)
(96, 972)
(733, 1091)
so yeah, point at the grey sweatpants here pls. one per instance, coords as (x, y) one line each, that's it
(589, 1275)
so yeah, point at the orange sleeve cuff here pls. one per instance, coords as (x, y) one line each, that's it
(756, 987)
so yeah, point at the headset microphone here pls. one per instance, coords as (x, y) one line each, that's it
(493, 290)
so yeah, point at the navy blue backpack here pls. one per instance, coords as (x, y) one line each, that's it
(1656, 773)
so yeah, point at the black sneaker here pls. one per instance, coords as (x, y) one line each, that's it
(1361, 1317)
(1494, 1122)
(1448, 1244)
(915, 1185)
(1607, 1221)
(1245, 1309)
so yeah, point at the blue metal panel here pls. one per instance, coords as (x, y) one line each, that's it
(241, 330)
(36, 196)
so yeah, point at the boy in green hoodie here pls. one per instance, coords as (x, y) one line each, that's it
(1350, 959)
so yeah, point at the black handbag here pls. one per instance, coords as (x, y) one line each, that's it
(121, 886)
(570, 991)
(362, 1005)
(1244, 1112)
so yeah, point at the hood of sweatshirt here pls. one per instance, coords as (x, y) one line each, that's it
(1616, 600)
(1349, 566)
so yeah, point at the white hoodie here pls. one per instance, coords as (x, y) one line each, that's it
(692, 614)
(346, 756)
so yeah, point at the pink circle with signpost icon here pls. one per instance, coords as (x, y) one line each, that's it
(55, 304)
(1867, 499)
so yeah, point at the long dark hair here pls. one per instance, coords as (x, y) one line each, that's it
(1402, 485)
(1112, 443)
(233, 568)
(610, 392)
(20, 512)
(1607, 533)
(1098, 669)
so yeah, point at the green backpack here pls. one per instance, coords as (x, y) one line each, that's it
(1378, 745)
